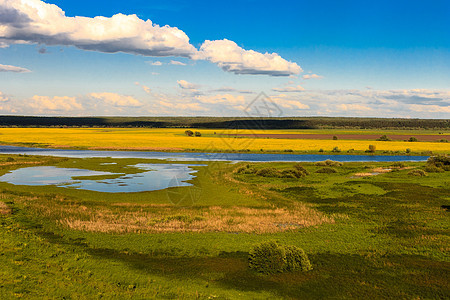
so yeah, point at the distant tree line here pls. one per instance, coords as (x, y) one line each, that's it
(226, 122)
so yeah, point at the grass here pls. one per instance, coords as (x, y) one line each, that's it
(383, 236)
(168, 139)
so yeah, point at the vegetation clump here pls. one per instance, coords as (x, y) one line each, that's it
(413, 139)
(329, 163)
(418, 172)
(301, 169)
(383, 138)
(327, 170)
(439, 163)
(336, 150)
(271, 257)
(189, 133)
(372, 149)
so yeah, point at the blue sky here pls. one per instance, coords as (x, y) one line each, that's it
(328, 58)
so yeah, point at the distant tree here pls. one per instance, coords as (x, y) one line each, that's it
(371, 149)
(335, 137)
(189, 133)
(197, 133)
(336, 149)
(412, 139)
(383, 138)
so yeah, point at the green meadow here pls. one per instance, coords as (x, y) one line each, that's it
(366, 235)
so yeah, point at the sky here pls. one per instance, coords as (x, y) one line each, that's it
(214, 58)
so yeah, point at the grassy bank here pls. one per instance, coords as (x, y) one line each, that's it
(383, 236)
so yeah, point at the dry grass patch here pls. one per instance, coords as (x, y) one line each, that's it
(4, 209)
(126, 218)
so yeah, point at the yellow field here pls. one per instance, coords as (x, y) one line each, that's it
(175, 139)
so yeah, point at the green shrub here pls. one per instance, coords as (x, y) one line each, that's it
(408, 150)
(417, 173)
(335, 137)
(398, 164)
(291, 173)
(383, 138)
(336, 149)
(327, 170)
(247, 169)
(320, 150)
(189, 133)
(296, 259)
(270, 257)
(371, 149)
(10, 159)
(268, 172)
(443, 141)
(434, 169)
(329, 163)
(197, 133)
(267, 258)
(300, 168)
(412, 139)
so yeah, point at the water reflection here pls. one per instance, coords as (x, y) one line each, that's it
(155, 177)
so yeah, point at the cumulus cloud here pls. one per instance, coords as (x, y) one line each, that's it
(232, 58)
(34, 21)
(187, 85)
(117, 99)
(14, 69)
(177, 63)
(155, 63)
(44, 104)
(311, 76)
(38, 22)
(3, 97)
(289, 89)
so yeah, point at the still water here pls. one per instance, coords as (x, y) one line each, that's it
(191, 156)
(154, 177)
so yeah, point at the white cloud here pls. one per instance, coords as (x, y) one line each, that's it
(34, 21)
(116, 99)
(146, 89)
(177, 63)
(155, 63)
(187, 85)
(289, 89)
(353, 107)
(222, 98)
(232, 58)
(44, 104)
(38, 22)
(8, 68)
(312, 76)
(3, 97)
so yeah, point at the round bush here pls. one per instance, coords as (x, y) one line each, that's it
(296, 259)
(270, 258)
(300, 168)
(267, 258)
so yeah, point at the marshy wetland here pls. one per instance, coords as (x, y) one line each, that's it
(379, 236)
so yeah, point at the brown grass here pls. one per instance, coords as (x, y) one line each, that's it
(4, 209)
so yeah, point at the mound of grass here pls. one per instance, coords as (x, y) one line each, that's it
(439, 163)
(327, 170)
(329, 163)
(271, 257)
(417, 173)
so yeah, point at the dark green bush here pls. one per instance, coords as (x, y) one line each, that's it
(327, 170)
(270, 258)
(412, 139)
(417, 173)
(398, 164)
(383, 138)
(296, 259)
(433, 169)
(247, 169)
(189, 133)
(10, 159)
(336, 149)
(267, 258)
(197, 133)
